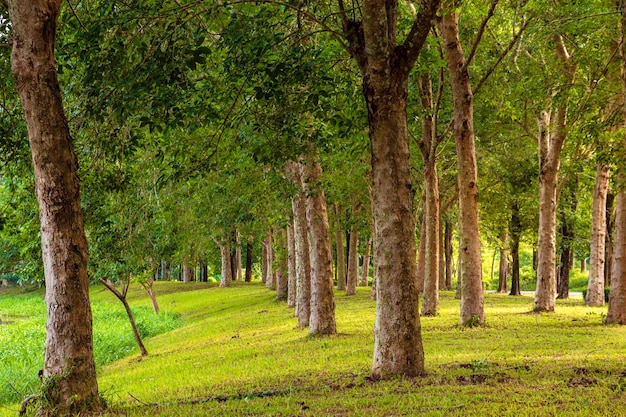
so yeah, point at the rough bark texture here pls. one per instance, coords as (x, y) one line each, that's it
(567, 230)
(385, 66)
(516, 231)
(341, 254)
(291, 268)
(301, 241)
(353, 262)
(431, 222)
(448, 253)
(322, 318)
(227, 271)
(550, 146)
(282, 280)
(270, 282)
(472, 303)
(69, 344)
(595, 285)
(421, 256)
(617, 297)
(503, 270)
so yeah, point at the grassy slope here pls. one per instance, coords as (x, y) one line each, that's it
(239, 353)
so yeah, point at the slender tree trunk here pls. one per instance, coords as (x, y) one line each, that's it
(608, 256)
(282, 280)
(148, 287)
(227, 272)
(69, 343)
(249, 249)
(430, 222)
(353, 262)
(122, 297)
(442, 258)
(291, 267)
(448, 254)
(322, 318)
(503, 270)
(341, 260)
(186, 271)
(264, 262)
(421, 257)
(472, 303)
(568, 227)
(366, 264)
(595, 285)
(617, 297)
(301, 241)
(516, 231)
(550, 146)
(270, 283)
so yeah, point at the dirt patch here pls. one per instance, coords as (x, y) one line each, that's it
(582, 382)
(474, 379)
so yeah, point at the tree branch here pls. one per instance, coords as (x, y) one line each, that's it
(479, 35)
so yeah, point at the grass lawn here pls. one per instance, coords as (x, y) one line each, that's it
(238, 352)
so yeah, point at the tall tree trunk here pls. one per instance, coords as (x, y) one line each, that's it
(270, 283)
(291, 267)
(341, 259)
(69, 343)
(264, 261)
(550, 146)
(322, 318)
(617, 297)
(421, 257)
(516, 231)
(431, 219)
(503, 270)
(282, 281)
(385, 66)
(366, 264)
(353, 262)
(236, 256)
(568, 228)
(249, 249)
(472, 303)
(186, 271)
(301, 241)
(608, 256)
(227, 271)
(448, 254)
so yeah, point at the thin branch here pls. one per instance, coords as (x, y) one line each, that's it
(479, 35)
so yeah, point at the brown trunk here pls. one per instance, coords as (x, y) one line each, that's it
(595, 285)
(385, 65)
(353, 262)
(186, 271)
(608, 256)
(421, 256)
(301, 242)
(291, 268)
(442, 258)
(430, 222)
(516, 231)
(148, 287)
(249, 255)
(550, 146)
(69, 343)
(366, 264)
(264, 261)
(448, 253)
(269, 253)
(341, 259)
(472, 303)
(227, 272)
(282, 282)
(617, 297)
(122, 297)
(322, 316)
(503, 270)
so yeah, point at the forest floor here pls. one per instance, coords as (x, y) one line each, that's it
(240, 353)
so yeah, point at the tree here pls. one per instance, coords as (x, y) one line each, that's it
(385, 64)
(472, 304)
(595, 285)
(68, 364)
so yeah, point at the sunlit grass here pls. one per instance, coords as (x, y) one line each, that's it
(240, 353)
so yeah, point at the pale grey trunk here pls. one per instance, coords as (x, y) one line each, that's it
(227, 271)
(366, 264)
(595, 285)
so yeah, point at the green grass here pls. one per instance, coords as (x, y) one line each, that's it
(240, 353)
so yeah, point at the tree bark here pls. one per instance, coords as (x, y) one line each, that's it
(322, 318)
(264, 262)
(69, 342)
(227, 271)
(472, 303)
(608, 256)
(301, 241)
(366, 264)
(282, 280)
(291, 267)
(550, 146)
(430, 223)
(341, 259)
(353, 262)
(421, 257)
(503, 270)
(448, 254)
(516, 231)
(385, 65)
(249, 255)
(595, 285)
(270, 282)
